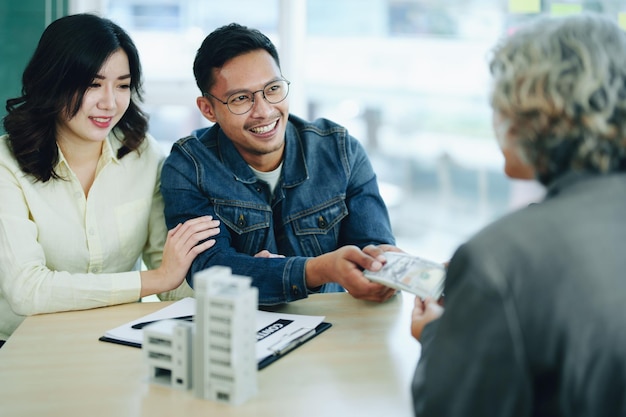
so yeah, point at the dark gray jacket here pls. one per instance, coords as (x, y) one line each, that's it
(535, 312)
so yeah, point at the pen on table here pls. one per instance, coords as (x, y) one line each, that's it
(145, 323)
(291, 344)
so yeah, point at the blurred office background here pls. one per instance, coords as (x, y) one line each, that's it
(409, 78)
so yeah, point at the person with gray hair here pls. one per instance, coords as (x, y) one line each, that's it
(535, 304)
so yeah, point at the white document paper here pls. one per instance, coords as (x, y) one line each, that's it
(276, 332)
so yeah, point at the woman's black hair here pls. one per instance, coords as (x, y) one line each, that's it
(69, 55)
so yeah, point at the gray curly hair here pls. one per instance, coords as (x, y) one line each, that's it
(561, 84)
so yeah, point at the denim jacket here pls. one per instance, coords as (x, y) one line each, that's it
(327, 197)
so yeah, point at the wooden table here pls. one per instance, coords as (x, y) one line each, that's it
(362, 366)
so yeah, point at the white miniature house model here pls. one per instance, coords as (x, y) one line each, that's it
(167, 348)
(224, 355)
(216, 355)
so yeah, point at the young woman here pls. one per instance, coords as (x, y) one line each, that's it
(80, 204)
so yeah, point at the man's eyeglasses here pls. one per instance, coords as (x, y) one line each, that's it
(242, 101)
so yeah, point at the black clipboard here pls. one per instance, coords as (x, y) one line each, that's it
(323, 326)
(119, 342)
(263, 363)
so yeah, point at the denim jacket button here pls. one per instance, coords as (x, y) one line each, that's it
(295, 290)
(321, 222)
(241, 221)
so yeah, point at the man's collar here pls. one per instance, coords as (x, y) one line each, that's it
(294, 165)
(567, 180)
(295, 169)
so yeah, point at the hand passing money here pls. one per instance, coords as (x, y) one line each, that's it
(410, 273)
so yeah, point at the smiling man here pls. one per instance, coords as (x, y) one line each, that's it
(298, 201)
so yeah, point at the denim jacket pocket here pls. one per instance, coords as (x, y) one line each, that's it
(249, 223)
(317, 229)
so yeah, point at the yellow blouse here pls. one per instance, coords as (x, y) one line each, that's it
(62, 251)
